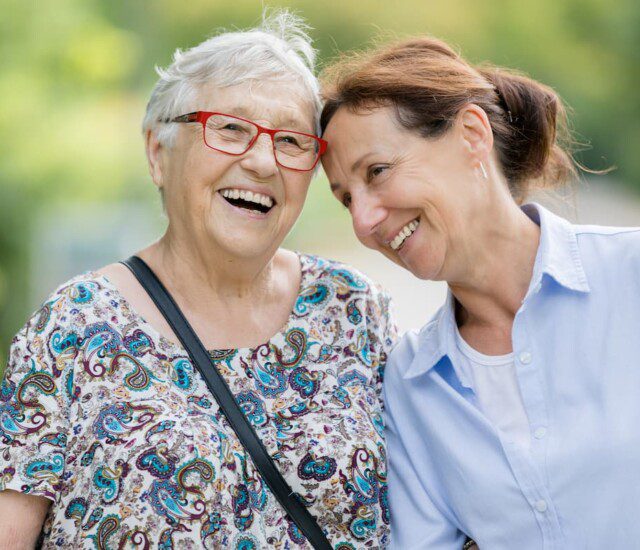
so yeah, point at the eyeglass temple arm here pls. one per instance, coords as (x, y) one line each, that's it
(189, 117)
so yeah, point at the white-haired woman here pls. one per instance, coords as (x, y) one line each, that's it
(110, 437)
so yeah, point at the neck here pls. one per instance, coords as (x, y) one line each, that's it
(498, 268)
(204, 275)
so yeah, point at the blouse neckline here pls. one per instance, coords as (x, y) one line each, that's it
(149, 329)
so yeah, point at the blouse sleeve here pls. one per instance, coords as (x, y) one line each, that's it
(34, 399)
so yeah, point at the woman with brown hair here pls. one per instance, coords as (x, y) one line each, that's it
(512, 414)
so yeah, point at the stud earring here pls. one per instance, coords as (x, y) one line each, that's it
(484, 171)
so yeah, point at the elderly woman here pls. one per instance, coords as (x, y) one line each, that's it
(513, 414)
(110, 436)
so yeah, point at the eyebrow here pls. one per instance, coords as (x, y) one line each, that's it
(336, 186)
(284, 124)
(359, 161)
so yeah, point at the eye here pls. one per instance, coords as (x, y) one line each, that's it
(288, 139)
(375, 170)
(346, 200)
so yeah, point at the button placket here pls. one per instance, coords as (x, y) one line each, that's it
(525, 357)
(529, 469)
(541, 506)
(540, 432)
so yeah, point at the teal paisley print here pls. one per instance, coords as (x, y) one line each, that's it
(109, 420)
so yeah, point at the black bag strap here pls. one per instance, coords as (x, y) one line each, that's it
(232, 411)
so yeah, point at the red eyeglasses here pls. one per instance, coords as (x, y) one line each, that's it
(235, 136)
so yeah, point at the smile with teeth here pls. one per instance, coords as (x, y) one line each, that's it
(248, 200)
(405, 232)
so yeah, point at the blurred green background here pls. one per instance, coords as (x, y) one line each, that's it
(75, 76)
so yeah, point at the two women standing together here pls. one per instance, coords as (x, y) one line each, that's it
(509, 418)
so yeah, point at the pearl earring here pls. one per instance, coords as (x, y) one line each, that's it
(484, 171)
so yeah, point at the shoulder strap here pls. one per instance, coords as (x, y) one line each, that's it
(232, 411)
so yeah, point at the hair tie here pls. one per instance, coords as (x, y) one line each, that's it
(503, 105)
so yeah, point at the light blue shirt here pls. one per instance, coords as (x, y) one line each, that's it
(576, 343)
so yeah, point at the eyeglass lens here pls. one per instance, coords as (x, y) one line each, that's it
(234, 135)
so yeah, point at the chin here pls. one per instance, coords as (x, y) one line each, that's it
(241, 246)
(242, 242)
(249, 250)
(424, 275)
(425, 272)
(421, 267)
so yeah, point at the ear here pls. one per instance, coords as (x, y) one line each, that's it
(154, 151)
(476, 131)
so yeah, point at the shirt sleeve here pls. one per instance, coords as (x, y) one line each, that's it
(34, 407)
(384, 333)
(416, 522)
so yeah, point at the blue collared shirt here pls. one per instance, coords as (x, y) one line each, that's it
(576, 343)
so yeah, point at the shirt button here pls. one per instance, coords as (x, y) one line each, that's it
(540, 433)
(541, 506)
(525, 357)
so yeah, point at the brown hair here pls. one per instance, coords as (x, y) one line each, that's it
(428, 83)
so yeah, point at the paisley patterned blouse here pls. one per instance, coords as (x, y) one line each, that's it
(109, 420)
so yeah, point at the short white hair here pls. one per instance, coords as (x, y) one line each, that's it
(279, 48)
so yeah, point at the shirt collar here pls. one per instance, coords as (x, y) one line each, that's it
(558, 256)
(558, 253)
(435, 339)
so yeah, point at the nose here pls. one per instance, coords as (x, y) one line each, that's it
(367, 213)
(260, 158)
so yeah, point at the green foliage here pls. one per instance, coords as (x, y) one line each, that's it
(76, 74)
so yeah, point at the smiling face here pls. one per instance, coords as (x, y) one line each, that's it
(242, 205)
(412, 198)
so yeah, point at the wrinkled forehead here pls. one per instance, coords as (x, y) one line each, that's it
(368, 117)
(276, 103)
(353, 132)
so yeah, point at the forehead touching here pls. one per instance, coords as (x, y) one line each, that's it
(358, 137)
(273, 103)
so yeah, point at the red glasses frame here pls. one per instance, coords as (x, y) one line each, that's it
(203, 116)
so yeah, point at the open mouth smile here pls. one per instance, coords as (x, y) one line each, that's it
(253, 202)
(408, 230)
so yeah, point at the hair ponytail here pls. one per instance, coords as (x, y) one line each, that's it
(429, 83)
(528, 138)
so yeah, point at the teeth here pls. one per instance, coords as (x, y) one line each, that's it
(249, 196)
(405, 232)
